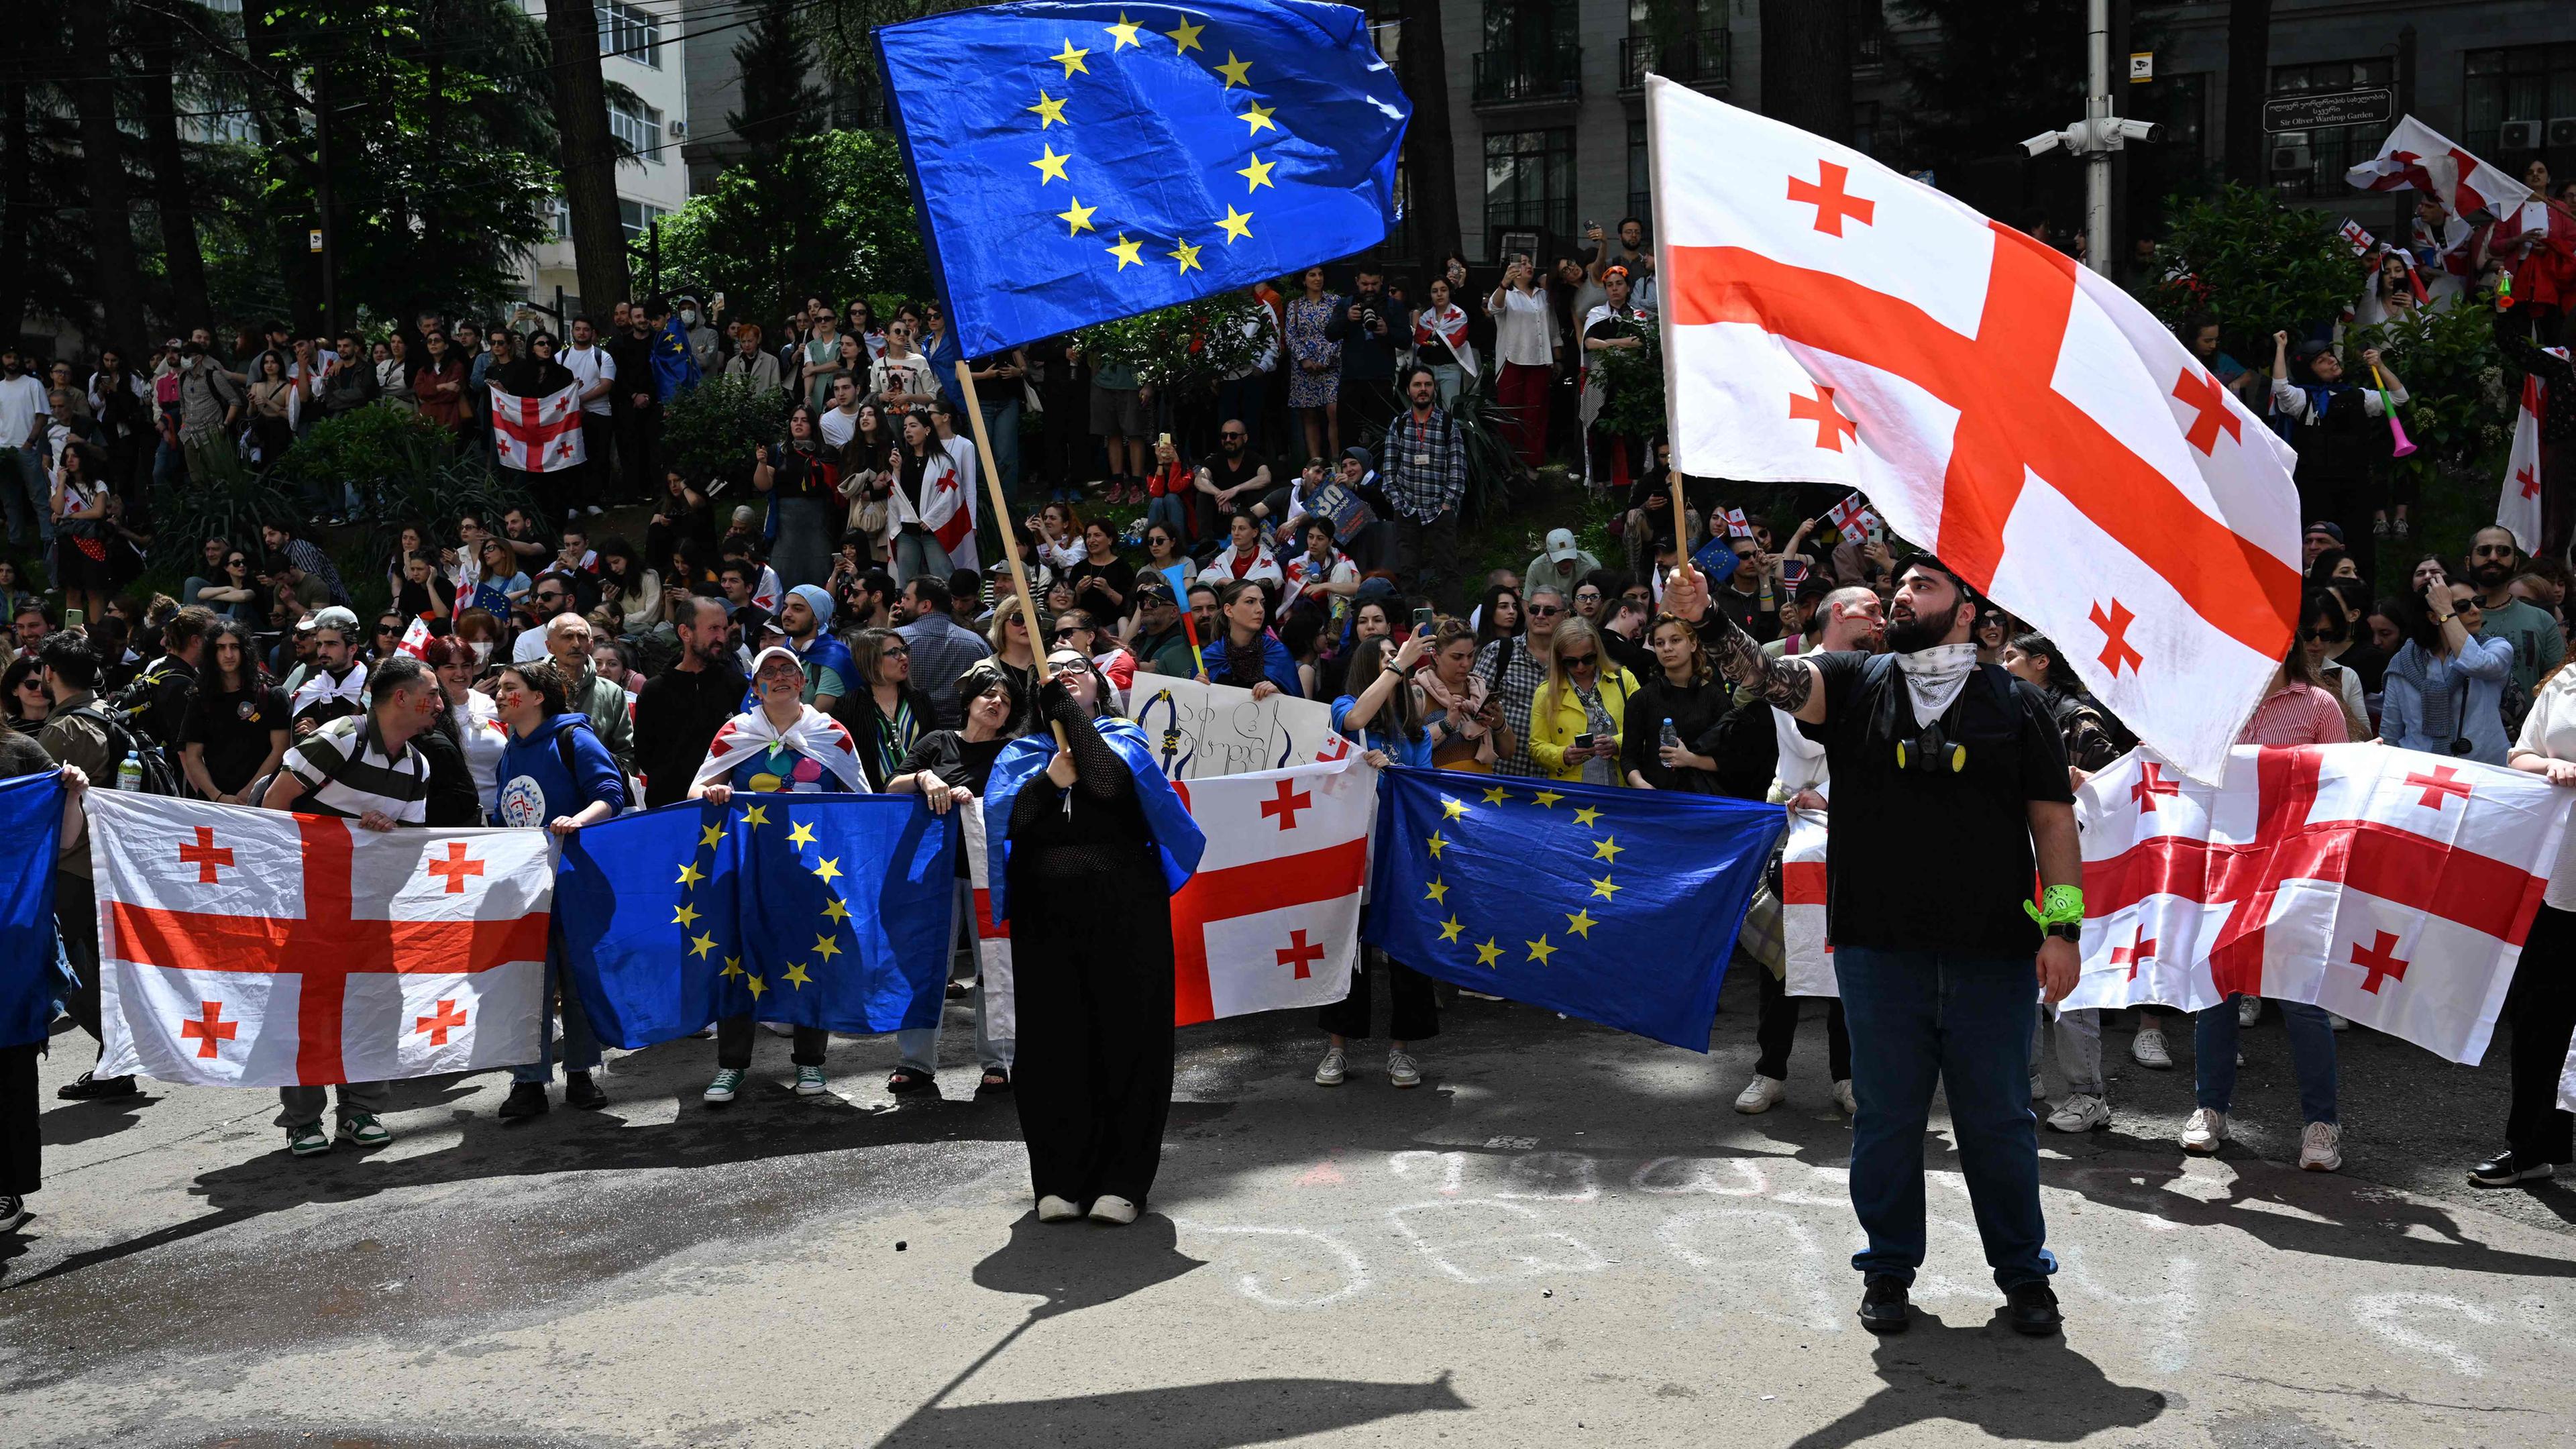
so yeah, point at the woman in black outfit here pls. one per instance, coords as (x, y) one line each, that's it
(1095, 836)
(1681, 693)
(236, 729)
(945, 767)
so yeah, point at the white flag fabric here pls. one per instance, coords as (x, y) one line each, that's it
(538, 434)
(992, 938)
(2519, 508)
(253, 948)
(2389, 886)
(1826, 319)
(2415, 157)
(1803, 936)
(1272, 919)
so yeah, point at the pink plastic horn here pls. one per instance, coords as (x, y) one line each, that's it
(2396, 429)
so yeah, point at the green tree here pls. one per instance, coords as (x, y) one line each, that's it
(2255, 267)
(836, 219)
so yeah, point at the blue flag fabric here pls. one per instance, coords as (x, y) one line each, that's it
(675, 367)
(31, 820)
(1178, 840)
(1076, 163)
(1620, 906)
(817, 910)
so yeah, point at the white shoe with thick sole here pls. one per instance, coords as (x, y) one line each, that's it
(1053, 1209)
(2205, 1131)
(2249, 1010)
(1844, 1100)
(1114, 1210)
(2321, 1147)
(1761, 1095)
(2081, 1112)
(2148, 1049)
(1333, 1069)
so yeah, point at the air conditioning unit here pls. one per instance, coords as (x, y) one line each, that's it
(2518, 136)
(679, 130)
(2562, 131)
(2289, 159)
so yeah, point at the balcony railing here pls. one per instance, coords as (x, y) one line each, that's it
(1519, 77)
(1701, 59)
(1552, 215)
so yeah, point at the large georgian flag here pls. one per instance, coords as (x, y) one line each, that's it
(1272, 919)
(538, 434)
(253, 948)
(1826, 319)
(2387, 885)
(2415, 157)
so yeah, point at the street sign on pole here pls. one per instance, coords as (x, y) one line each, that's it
(2367, 105)
(2142, 66)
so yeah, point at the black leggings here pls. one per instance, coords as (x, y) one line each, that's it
(1413, 1013)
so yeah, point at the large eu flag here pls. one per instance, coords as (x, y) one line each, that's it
(1620, 906)
(815, 910)
(1076, 163)
(31, 820)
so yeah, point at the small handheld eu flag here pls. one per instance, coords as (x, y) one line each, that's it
(1076, 163)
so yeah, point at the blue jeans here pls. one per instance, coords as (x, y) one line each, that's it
(2312, 1053)
(1168, 511)
(30, 496)
(581, 1045)
(1920, 1018)
(1002, 424)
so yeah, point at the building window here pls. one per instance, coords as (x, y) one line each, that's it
(1641, 187)
(640, 127)
(1531, 53)
(1529, 181)
(1864, 127)
(637, 217)
(2524, 83)
(2331, 150)
(563, 219)
(631, 31)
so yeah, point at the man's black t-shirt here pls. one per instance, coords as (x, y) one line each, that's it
(1234, 472)
(1940, 861)
(235, 731)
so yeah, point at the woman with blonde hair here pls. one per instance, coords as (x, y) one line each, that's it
(1575, 712)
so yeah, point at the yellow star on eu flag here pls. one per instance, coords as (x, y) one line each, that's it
(709, 836)
(1236, 72)
(1451, 809)
(1259, 119)
(829, 869)
(1607, 848)
(1186, 38)
(1071, 60)
(757, 986)
(699, 946)
(1126, 252)
(732, 966)
(1186, 254)
(684, 916)
(756, 815)
(1436, 890)
(1078, 220)
(1581, 924)
(1049, 110)
(826, 947)
(1547, 798)
(1497, 795)
(836, 911)
(803, 834)
(1604, 889)
(1488, 953)
(1436, 844)
(1237, 224)
(1540, 950)
(1050, 166)
(690, 874)
(796, 976)
(1450, 928)
(1586, 815)
(1126, 33)
(1258, 174)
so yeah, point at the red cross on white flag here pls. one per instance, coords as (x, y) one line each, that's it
(538, 434)
(2387, 885)
(2519, 509)
(1826, 319)
(2415, 157)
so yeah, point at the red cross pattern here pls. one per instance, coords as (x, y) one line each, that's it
(455, 868)
(324, 947)
(1300, 953)
(2371, 857)
(2202, 393)
(1286, 804)
(205, 855)
(2011, 422)
(2378, 960)
(2439, 787)
(1831, 201)
(2140, 950)
(2529, 480)
(438, 1025)
(2117, 652)
(1308, 878)
(207, 1027)
(527, 432)
(2151, 783)
(1831, 426)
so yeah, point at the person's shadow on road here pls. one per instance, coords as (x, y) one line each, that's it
(2014, 1388)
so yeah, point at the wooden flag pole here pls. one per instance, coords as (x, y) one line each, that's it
(1010, 535)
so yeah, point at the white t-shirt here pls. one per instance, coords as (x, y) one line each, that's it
(837, 426)
(1524, 330)
(588, 365)
(22, 398)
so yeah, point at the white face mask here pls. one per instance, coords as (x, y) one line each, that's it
(482, 650)
(688, 316)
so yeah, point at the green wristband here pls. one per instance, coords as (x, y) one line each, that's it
(2059, 905)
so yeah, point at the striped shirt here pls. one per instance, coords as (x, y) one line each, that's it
(336, 784)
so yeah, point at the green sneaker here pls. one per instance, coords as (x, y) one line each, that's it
(363, 1130)
(810, 1082)
(722, 1089)
(307, 1140)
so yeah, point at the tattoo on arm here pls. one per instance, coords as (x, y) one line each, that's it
(1784, 682)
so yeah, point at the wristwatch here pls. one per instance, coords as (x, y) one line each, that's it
(2068, 931)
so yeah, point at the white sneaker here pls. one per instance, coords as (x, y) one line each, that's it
(1844, 1099)
(2204, 1131)
(1402, 1071)
(2038, 1088)
(1761, 1095)
(2339, 1023)
(1053, 1209)
(2147, 1049)
(2321, 1147)
(1330, 1071)
(2081, 1113)
(2249, 1010)
(1113, 1209)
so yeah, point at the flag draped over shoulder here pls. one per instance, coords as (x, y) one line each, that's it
(2389, 886)
(538, 434)
(817, 910)
(1076, 163)
(31, 820)
(1620, 906)
(1178, 841)
(1826, 319)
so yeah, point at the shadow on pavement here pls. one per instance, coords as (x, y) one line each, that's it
(1194, 1416)
(2020, 1390)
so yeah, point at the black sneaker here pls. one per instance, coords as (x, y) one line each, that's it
(13, 1212)
(91, 1088)
(1883, 1304)
(581, 1091)
(2032, 1307)
(2509, 1169)
(527, 1099)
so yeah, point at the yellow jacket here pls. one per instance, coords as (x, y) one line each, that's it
(1549, 735)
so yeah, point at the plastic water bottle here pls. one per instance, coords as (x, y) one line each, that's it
(1672, 738)
(129, 772)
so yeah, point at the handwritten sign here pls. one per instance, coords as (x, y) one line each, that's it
(1199, 730)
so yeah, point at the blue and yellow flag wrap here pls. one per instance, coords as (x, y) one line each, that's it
(31, 820)
(1076, 163)
(1620, 906)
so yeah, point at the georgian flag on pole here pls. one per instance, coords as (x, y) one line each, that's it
(1826, 319)
(538, 434)
(253, 948)
(949, 511)
(2519, 509)
(2386, 885)
(2415, 157)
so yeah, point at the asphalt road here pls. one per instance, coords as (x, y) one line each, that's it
(1564, 1236)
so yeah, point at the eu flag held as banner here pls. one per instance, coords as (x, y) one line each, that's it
(1620, 906)
(1077, 163)
(31, 820)
(816, 910)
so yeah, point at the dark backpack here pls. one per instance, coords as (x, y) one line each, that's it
(133, 706)
(160, 776)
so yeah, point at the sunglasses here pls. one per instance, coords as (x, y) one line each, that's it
(1580, 661)
(1230, 435)
(896, 654)
(386, 631)
(1545, 611)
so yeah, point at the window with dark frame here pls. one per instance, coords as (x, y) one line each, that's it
(1529, 180)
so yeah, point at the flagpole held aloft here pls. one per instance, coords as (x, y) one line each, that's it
(1010, 537)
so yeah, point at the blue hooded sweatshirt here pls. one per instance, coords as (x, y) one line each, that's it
(534, 785)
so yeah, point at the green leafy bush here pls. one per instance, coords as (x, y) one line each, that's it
(713, 430)
(2459, 414)
(1632, 383)
(365, 447)
(231, 503)
(1193, 343)
(2254, 266)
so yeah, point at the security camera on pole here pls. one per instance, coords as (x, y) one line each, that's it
(2097, 136)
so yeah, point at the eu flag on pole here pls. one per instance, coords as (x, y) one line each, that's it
(815, 910)
(1620, 906)
(31, 820)
(1077, 163)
